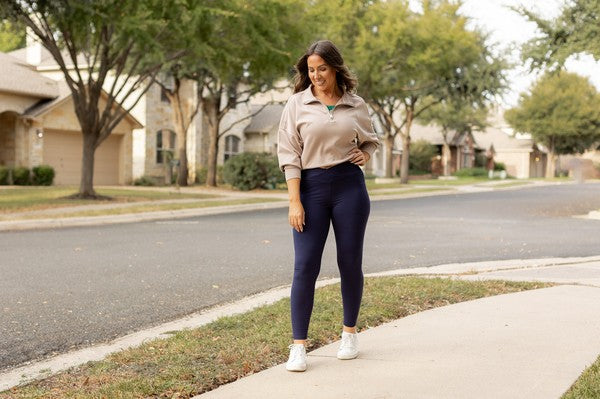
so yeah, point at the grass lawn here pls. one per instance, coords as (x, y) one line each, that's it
(195, 361)
(587, 385)
(431, 182)
(157, 206)
(37, 198)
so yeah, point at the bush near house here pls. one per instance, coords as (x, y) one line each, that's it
(201, 174)
(21, 176)
(421, 152)
(4, 174)
(144, 181)
(43, 175)
(498, 166)
(248, 170)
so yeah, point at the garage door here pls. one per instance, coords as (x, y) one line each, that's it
(62, 151)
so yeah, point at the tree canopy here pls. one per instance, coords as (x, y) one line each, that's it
(562, 111)
(574, 31)
(409, 61)
(108, 52)
(250, 50)
(12, 36)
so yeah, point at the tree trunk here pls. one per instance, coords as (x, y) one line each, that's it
(446, 158)
(404, 164)
(182, 170)
(209, 113)
(406, 147)
(86, 185)
(181, 113)
(551, 164)
(389, 155)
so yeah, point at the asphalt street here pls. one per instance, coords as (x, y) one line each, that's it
(67, 288)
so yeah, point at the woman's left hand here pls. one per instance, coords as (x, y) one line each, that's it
(359, 157)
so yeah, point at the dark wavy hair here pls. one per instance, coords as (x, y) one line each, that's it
(346, 81)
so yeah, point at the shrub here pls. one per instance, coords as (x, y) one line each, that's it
(4, 175)
(220, 176)
(248, 170)
(498, 166)
(471, 172)
(421, 153)
(21, 176)
(144, 181)
(43, 175)
(201, 174)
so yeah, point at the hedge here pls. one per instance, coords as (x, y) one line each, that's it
(249, 170)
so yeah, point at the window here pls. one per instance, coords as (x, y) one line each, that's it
(165, 145)
(232, 146)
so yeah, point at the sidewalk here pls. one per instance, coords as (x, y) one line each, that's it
(531, 344)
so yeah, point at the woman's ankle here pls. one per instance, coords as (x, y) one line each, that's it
(351, 330)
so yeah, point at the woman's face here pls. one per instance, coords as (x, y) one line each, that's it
(321, 74)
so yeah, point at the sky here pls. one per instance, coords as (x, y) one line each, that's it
(509, 30)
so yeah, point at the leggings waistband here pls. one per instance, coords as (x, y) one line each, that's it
(342, 169)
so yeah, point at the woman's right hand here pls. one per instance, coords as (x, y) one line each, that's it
(296, 216)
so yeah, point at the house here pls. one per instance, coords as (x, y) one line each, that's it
(261, 133)
(580, 166)
(38, 126)
(462, 145)
(522, 157)
(520, 154)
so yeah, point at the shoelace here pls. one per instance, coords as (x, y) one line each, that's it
(347, 340)
(296, 352)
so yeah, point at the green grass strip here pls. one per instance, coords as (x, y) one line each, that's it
(587, 385)
(155, 207)
(195, 361)
(37, 198)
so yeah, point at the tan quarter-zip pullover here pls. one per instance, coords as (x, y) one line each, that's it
(311, 136)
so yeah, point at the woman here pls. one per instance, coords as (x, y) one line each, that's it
(324, 136)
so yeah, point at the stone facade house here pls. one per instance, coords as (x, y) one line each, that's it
(38, 126)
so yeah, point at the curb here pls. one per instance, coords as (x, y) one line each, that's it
(50, 223)
(47, 367)
(134, 217)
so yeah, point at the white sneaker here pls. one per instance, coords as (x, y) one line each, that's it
(349, 346)
(297, 360)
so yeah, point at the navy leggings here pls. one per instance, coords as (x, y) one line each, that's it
(336, 195)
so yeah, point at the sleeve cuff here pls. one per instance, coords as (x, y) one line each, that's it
(292, 172)
(369, 147)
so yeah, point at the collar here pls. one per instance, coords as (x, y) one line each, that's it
(346, 99)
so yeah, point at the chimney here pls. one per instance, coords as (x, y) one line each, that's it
(33, 49)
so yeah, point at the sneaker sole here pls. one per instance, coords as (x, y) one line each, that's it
(348, 357)
(296, 370)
